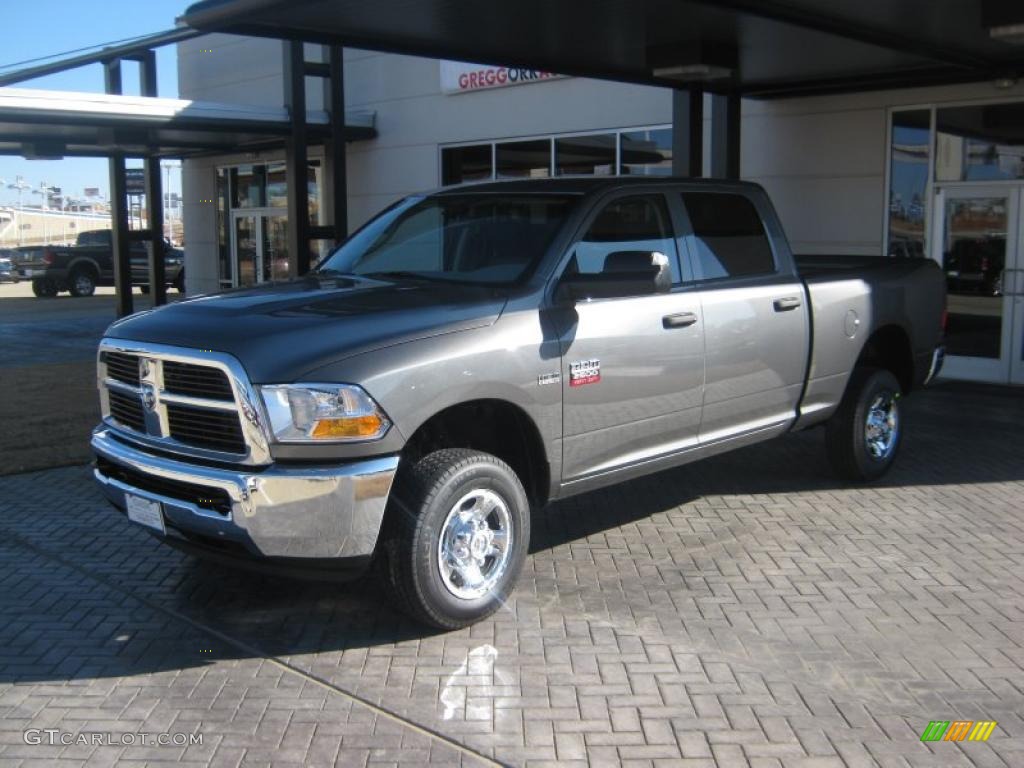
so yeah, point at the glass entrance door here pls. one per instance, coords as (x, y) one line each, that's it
(259, 246)
(976, 241)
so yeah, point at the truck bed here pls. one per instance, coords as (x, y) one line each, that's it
(813, 265)
(880, 294)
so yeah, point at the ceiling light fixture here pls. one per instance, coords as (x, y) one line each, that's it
(693, 72)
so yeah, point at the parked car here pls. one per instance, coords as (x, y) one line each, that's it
(80, 268)
(7, 272)
(476, 352)
(976, 265)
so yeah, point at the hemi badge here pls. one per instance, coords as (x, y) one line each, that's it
(549, 378)
(584, 372)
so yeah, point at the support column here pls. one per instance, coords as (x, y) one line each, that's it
(154, 193)
(120, 239)
(334, 101)
(725, 136)
(687, 132)
(155, 217)
(112, 76)
(296, 158)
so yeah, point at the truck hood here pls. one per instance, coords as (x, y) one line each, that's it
(279, 331)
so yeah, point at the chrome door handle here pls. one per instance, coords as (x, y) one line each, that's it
(786, 303)
(680, 320)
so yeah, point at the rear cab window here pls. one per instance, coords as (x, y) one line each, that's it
(728, 236)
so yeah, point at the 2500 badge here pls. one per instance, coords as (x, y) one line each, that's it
(584, 372)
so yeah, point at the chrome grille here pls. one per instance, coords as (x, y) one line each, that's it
(218, 430)
(193, 402)
(127, 409)
(122, 367)
(196, 381)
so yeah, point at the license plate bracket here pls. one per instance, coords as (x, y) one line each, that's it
(145, 512)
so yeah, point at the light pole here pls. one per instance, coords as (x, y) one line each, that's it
(20, 185)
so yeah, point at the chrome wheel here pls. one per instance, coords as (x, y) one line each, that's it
(882, 425)
(476, 539)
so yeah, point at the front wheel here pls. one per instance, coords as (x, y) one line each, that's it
(863, 437)
(457, 534)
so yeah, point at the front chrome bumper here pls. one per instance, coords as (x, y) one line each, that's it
(275, 512)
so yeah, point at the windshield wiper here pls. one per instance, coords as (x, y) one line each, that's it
(404, 273)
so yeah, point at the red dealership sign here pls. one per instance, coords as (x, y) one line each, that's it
(459, 77)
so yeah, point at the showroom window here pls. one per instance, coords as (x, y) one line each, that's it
(523, 159)
(646, 153)
(586, 155)
(979, 143)
(909, 146)
(461, 164)
(633, 151)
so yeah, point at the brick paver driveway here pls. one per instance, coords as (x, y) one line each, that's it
(743, 611)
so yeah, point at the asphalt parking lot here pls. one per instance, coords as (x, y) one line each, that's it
(48, 401)
(745, 611)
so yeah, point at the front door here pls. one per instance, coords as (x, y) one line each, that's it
(632, 368)
(976, 241)
(259, 244)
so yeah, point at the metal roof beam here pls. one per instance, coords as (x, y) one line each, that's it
(127, 50)
(883, 38)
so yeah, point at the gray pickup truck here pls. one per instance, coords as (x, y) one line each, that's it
(474, 353)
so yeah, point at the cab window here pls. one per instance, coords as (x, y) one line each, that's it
(636, 223)
(729, 236)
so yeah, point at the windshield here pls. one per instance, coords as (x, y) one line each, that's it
(478, 238)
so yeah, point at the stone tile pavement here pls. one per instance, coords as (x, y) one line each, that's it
(744, 611)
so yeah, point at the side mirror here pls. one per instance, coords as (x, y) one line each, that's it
(625, 273)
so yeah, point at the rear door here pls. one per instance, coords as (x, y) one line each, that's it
(755, 317)
(632, 368)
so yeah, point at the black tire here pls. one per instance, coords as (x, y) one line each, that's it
(82, 283)
(44, 288)
(144, 290)
(846, 432)
(424, 496)
(179, 282)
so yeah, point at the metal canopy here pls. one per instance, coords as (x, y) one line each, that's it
(758, 48)
(43, 124)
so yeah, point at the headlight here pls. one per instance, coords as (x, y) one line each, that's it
(305, 413)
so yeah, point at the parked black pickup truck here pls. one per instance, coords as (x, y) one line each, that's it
(78, 269)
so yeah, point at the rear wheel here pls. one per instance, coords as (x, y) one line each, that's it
(179, 282)
(44, 288)
(144, 290)
(457, 534)
(82, 283)
(863, 437)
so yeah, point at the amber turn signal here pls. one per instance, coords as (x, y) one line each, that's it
(350, 427)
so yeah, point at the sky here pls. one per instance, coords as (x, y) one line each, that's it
(34, 28)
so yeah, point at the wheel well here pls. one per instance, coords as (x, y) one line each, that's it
(84, 266)
(494, 426)
(889, 348)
